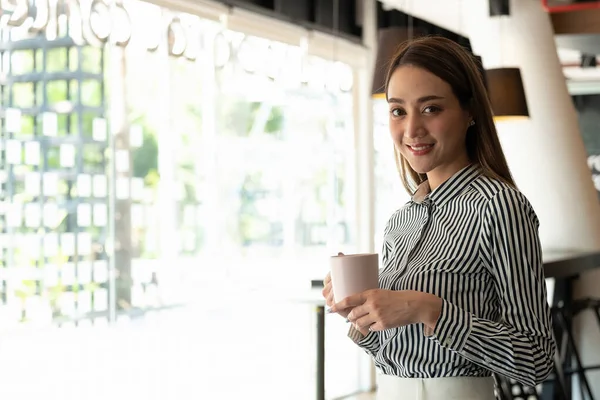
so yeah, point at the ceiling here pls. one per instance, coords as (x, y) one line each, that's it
(577, 32)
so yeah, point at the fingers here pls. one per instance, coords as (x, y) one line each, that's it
(350, 302)
(357, 313)
(365, 331)
(326, 285)
(376, 327)
(330, 300)
(326, 292)
(364, 323)
(370, 322)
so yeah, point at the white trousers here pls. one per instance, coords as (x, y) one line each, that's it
(460, 388)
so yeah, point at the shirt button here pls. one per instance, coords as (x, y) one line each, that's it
(487, 359)
(449, 340)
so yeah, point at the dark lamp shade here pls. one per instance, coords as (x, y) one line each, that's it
(389, 41)
(506, 92)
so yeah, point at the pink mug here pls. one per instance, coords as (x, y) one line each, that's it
(354, 273)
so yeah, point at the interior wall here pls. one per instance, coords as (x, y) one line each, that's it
(546, 152)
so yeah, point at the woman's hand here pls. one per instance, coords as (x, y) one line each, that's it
(328, 291)
(378, 309)
(329, 299)
(328, 294)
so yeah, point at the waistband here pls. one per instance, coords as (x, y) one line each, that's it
(391, 387)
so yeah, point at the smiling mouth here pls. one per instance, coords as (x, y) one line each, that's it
(420, 149)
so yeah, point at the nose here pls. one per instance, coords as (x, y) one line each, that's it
(413, 127)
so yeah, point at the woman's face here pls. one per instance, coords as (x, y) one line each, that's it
(427, 123)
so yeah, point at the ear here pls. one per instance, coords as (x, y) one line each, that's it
(469, 121)
(468, 112)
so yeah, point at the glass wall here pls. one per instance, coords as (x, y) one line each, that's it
(169, 189)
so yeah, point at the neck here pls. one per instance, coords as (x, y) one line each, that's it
(440, 175)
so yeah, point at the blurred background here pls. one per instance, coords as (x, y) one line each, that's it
(175, 173)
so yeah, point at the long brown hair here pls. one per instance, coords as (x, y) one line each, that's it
(457, 67)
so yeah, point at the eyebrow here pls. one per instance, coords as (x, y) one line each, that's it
(419, 100)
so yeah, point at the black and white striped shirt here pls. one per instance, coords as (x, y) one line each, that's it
(473, 241)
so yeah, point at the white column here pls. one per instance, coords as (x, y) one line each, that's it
(363, 127)
(365, 174)
(545, 153)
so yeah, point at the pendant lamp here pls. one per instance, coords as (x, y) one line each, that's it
(389, 41)
(506, 93)
(505, 85)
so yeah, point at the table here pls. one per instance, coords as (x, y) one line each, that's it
(314, 298)
(562, 264)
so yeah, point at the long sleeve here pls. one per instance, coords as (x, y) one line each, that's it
(519, 345)
(369, 343)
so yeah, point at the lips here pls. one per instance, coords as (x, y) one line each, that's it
(420, 149)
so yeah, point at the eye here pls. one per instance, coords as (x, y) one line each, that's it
(397, 112)
(431, 109)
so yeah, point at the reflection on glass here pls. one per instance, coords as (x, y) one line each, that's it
(285, 168)
(32, 153)
(136, 136)
(12, 120)
(14, 216)
(232, 182)
(122, 189)
(84, 215)
(50, 184)
(51, 215)
(122, 160)
(33, 215)
(67, 155)
(84, 273)
(99, 186)
(51, 245)
(84, 185)
(84, 244)
(100, 215)
(67, 273)
(99, 129)
(13, 152)
(49, 124)
(33, 183)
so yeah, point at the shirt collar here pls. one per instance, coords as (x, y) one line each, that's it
(448, 189)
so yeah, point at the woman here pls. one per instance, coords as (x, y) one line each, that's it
(462, 292)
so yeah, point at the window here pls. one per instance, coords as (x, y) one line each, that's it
(168, 198)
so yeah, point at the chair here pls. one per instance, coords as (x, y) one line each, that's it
(566, 355)
(567, 348)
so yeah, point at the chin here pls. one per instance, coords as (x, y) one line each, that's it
(420, 168)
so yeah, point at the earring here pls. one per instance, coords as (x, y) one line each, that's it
(471, 123)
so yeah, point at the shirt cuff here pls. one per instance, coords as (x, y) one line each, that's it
(453, 327)
(360, 339)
